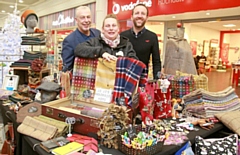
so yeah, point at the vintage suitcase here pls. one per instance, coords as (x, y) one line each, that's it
(86, 114)
(87, 104)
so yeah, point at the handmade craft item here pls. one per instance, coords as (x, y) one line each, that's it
(162, 98)
(114, 119)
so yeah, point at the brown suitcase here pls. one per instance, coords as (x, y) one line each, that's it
(85, 124)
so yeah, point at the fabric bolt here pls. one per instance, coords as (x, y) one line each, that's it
(211, 112)
(218, 96)
(128, 73)
(33, 55)
(199, 100)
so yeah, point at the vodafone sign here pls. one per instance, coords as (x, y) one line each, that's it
(117, 8)
(123, 8)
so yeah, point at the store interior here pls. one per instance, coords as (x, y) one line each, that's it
(75, 115)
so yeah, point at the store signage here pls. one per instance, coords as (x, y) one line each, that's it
(62, 20)
(103, 95)
(122, 8)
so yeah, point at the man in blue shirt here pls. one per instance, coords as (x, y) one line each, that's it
(81, 34)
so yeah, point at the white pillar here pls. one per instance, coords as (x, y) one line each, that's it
(101, 12)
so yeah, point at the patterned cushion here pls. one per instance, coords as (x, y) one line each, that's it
(219, 146)
(231, 120)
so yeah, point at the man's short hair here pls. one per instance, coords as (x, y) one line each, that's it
(81, 8)
(140, 4)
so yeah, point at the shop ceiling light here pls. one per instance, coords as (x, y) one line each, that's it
(173, 16)
(207, 13)
(11, 6)
(20, 1)
(229, 25)
(3, 11)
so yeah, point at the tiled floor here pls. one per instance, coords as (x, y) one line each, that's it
(220, 80)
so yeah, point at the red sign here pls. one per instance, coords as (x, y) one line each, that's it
(193, 45)
(224, 53)
(122, 8)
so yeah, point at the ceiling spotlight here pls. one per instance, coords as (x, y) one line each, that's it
(207, 13)
(229, 25)
(173, 16)
(20, 1)
(11, 6)
(3, 11)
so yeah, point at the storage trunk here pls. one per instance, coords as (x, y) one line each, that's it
(85, 124)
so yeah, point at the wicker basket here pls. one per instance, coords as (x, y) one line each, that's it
(149, 150)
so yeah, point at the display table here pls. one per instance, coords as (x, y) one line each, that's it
(235, 73)
(25, 144)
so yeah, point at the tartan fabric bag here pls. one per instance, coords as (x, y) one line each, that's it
(201, 81)
(181, 85)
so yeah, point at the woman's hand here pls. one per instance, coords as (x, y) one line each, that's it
(108, 56)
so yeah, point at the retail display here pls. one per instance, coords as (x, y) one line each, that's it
(200, 81)
(202, 103)
(178, 54)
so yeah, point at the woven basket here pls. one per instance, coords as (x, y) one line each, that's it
(149, 150)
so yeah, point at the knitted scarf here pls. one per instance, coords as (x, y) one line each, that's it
(111, 43)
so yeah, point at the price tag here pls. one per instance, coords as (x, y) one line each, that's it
(103, 95)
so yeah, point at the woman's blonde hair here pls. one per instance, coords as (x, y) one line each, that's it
(110, 16)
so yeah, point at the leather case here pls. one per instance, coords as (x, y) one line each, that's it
(53, 143)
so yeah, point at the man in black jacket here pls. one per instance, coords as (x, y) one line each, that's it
(144, 42)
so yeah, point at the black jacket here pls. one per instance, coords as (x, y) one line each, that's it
(95, 47)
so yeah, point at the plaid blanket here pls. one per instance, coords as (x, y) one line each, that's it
(128, 73)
